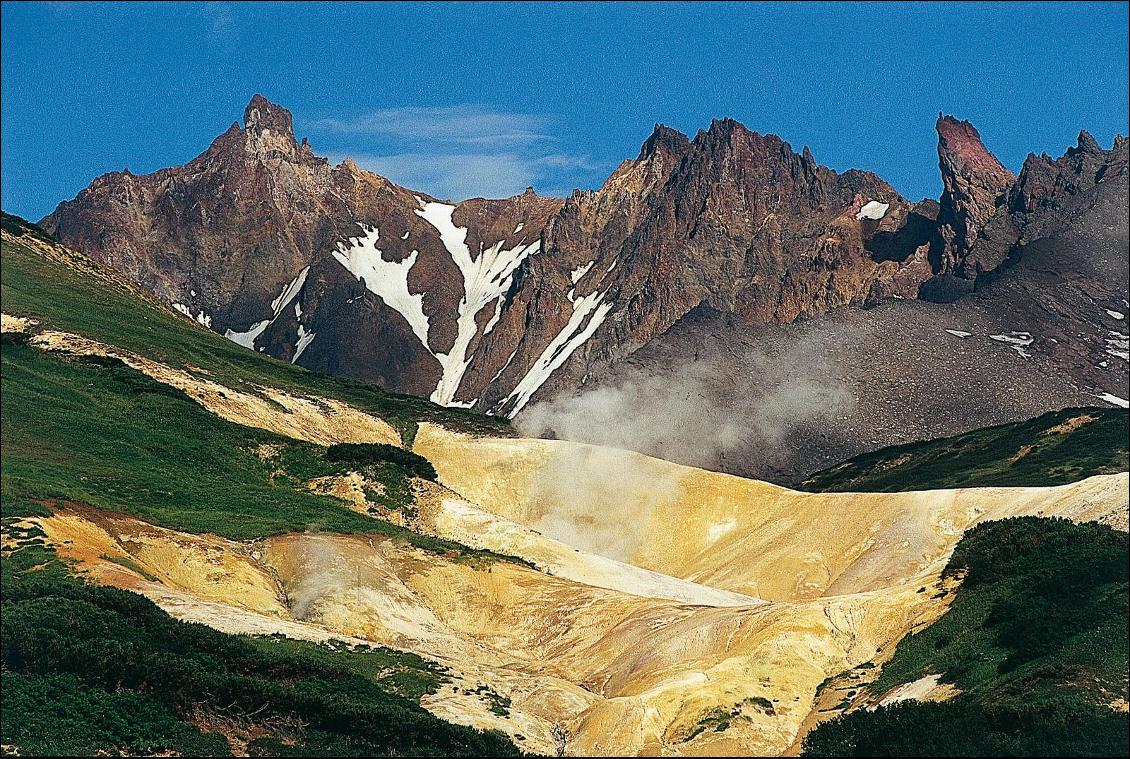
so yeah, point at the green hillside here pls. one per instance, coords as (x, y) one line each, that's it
(1053, 449)
(1035, 639)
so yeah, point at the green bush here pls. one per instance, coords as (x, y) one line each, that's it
(375, 453)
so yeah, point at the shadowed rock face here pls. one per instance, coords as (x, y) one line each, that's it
(500, 303)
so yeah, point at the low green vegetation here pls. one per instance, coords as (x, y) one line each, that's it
(380, 453)
(498, 704)
(110, 437)
(66, 298)
(89, 670)
(1035, 640)
(1054, 449)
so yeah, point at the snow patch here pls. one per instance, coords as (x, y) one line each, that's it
(1018, 341)
(498, 374)
(1118, 345)
(959, 333)
(873, 209)
(1114, 400)
(578, 274)
(304, 340)
(200, 317)
(388, 280)
(288, 293)
(588, 314)
(1115, 314)
(486, 279)
(518, 228)
(247, 339)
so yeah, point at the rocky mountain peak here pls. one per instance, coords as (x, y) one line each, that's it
(962, 152)
(974, 182)
(269, 128)
(1086, 143)
(665, 140)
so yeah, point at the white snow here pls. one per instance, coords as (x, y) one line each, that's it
(577, 274)
(959, 333)
(201, 317)
(1017, 340)
(873, 209)
(1116, 314)
(1118, 345)
(518, 228)
(386, 279)
(495, 317)
(404, 236)
(192, 293)
(571, 337)
(486, 279)
(247, 339)
(1114, 400)
(288, 293)
(304, 340)
(498, 374)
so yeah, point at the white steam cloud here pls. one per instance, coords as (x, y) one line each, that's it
(699, 412)
(599, 503)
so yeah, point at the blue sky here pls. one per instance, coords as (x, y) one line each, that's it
(475, 98)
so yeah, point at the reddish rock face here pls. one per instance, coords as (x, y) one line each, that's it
(492, 303)
(974, 183)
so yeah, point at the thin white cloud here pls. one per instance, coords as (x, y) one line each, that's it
(455, 176)
(459, 151)
(456, 124)
(221, 21)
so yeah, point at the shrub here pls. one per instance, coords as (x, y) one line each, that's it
(375, 453)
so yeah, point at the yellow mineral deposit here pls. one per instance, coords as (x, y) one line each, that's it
(672, 610)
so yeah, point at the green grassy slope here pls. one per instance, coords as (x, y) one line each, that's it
(1035, 639)
(1053, 449)
(63, 297)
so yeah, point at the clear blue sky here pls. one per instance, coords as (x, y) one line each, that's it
(470, 98)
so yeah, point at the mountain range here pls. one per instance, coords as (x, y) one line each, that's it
(665, 311)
